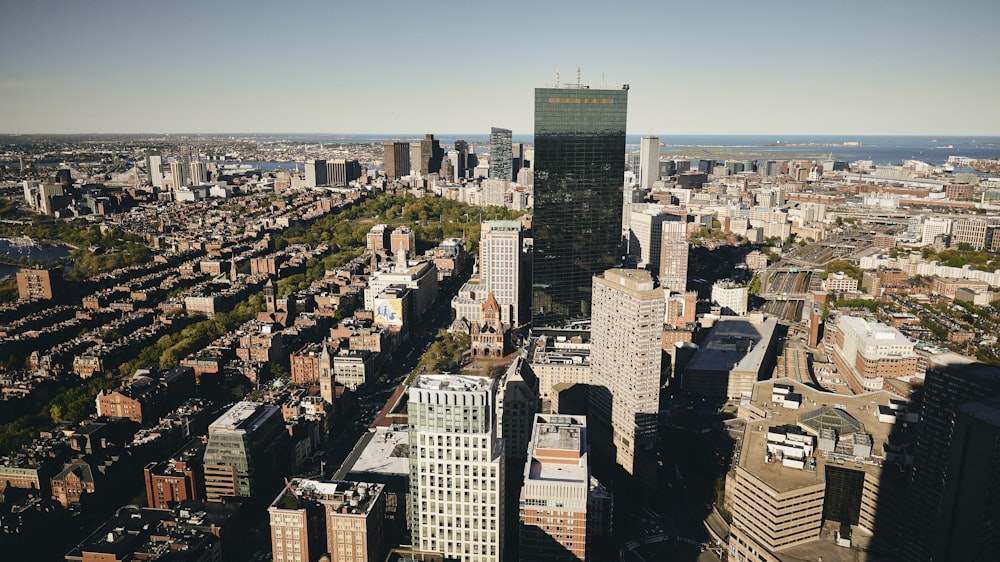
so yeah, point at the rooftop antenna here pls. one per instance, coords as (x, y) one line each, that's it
(557, 78)
(578, 77)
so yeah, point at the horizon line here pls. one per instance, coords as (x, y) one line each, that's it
(399, 134)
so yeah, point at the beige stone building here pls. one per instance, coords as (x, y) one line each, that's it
(626, 338)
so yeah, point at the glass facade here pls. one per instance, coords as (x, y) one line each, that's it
(579, 170)
(501, 154)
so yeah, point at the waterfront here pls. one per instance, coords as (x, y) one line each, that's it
(26, 248)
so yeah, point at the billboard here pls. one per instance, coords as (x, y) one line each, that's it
(389, 312)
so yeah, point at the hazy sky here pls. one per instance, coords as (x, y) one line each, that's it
(415, 66)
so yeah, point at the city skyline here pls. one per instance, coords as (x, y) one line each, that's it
(781, 69)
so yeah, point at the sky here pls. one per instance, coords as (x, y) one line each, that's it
(848, 67)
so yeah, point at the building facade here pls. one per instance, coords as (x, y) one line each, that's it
(501, 156)
(673, 259)
(243, 446)
(730, 297)
(868, 353)
(456, 468)
(396, 159)
(344, 520)
(946, 518)
(626, 338)
(649, 161)
(579, 166)
(38, 283)
(500, 266)
(553, 503)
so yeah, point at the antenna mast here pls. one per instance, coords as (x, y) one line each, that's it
(557, 78)
(578, 77)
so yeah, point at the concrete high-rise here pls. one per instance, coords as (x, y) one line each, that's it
(38, 283)
(341, 172)
(315, 173)
(579, 166)
(199, 172)
(674, 253)
(456, 468)
(178, 177)
(645, 237)
(396, 158)
(500, 265)
(949, 518)
(649, 161)
(501, 154)
(154, 166)
(626, 344)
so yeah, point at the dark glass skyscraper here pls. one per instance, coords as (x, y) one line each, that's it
(579, 168)
(953, 510)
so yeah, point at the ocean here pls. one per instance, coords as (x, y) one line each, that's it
(880, 149)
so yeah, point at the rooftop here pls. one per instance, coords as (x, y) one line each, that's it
(356, 498)
(734, 344)
(873, 334)
(455, 383)
(558, 449)
(383, 451)
(843, 412)
(243, 416)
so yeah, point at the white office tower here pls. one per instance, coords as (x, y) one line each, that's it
(645, 235)
(156, 170)
(626, 343)
(500, 265)
(649, 161)
(934, 227)
(456, 468)
(178, 178)
(199, 173)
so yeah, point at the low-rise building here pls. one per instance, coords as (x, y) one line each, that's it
(736, 353)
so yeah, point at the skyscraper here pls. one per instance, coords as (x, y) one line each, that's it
(431, 154)
(396, 159)
(199, 172)
(626, 343)
(955, 434)
(462, 167)
(500, 265)
(154, 166)
(649, 161)
(579, 166)
(341, 172)
(456, 468)
(315, 173)
(177, 175)
(501, 154)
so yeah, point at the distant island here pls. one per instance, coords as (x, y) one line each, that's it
(816, 144)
